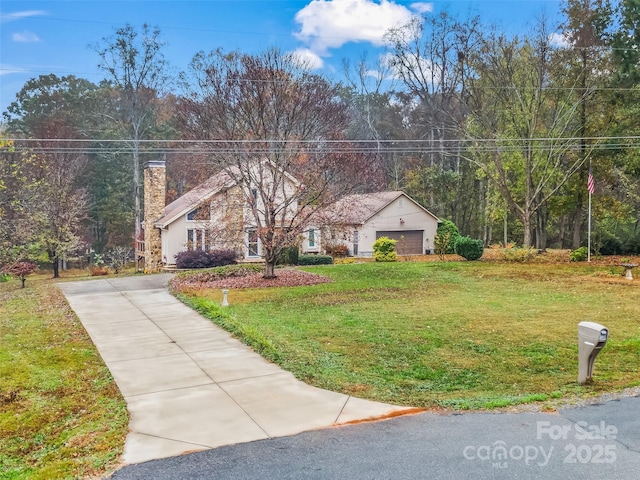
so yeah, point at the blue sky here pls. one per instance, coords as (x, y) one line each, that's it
(42, 37)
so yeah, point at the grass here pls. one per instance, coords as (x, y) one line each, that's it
(61, 415)
(461, 335)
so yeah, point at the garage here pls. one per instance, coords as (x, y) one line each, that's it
(410, 242)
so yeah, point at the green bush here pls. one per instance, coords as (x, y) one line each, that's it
(469, 248)
(448, 229)
(384, 250)
(315, 260)
(288, 256)
(579, 254)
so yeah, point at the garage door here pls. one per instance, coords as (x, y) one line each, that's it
(409, 241)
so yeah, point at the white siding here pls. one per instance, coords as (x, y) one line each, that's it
(400, 215)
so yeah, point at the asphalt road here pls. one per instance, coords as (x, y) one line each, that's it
(592, 442)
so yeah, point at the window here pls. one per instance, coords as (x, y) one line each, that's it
(312, 238)
(253, 244)
(254, 197)
(201, 213)
(356, 238)
(197, 239)
(401, 203)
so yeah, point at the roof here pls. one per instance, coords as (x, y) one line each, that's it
(194, 198)
(359, 208)
(214, 185)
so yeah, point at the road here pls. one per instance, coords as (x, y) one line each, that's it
(599, 441)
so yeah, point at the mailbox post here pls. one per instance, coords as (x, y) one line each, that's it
(592, 337)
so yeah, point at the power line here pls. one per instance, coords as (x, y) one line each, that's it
(450, 147)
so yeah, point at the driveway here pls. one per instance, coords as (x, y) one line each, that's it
(190, 385)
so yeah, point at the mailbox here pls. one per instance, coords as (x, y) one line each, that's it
(591, 338)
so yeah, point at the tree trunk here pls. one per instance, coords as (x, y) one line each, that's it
(56, 267)
(577, 228)
(526, 223)
(23, 279)
(269, 269)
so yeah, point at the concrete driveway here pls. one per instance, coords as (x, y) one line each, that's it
(190, 385)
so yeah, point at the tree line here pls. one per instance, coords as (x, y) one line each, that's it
(495, 132)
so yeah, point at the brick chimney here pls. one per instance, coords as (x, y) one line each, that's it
(154, 198)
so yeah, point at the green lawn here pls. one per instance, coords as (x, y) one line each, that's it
(443, 334)
(61, 415)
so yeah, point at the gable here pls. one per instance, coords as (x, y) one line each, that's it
(402, 204)
(194, 198)
(358, 209)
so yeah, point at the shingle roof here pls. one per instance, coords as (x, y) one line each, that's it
(357, 209)
(195, 197)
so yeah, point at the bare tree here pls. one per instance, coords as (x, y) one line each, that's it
(268, 118)
(135, 65)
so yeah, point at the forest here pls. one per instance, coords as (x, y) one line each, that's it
(497, 133)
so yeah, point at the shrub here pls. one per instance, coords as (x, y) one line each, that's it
(441, 244)
(202, 259)
(117, 257)
(339, 250)
(21, 270)
(469, 248)
(448, 227)
(516, 254)
(384, 250)
(344, 261)
(222, 258)
(579, 254)
(315, 260)
(288, 256)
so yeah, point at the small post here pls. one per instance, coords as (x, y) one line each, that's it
(225, 300)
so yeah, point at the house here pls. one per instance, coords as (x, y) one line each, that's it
(226, 211)
(217, 214)
(357, 221)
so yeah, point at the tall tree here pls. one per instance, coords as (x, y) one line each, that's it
(134, 63)
(267, 116)
(431, 57)
(66, 98)
(522, 129)
(587, 56)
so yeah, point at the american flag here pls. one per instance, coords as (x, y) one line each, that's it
(591, 185)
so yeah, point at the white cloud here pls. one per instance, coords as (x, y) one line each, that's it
(6, 69)
(25, 37)
(308, 58)
(329, 24)
(421, 7)
(10, 17)
(559, 40)
(430, 71)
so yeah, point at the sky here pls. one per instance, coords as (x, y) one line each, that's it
(43, 37)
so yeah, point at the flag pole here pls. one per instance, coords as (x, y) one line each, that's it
(589, 231)
(590, 189)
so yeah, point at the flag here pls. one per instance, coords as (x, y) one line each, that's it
(591, 186)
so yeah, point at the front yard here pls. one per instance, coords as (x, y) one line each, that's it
(442, 334)
(61, 415)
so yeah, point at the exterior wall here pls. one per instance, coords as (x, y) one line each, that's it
(401, 215)
(228, 226)
(312, 243)
(154, 199)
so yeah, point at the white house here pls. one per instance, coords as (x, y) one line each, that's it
(219, 213)
(357, 221)
(226, 210)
